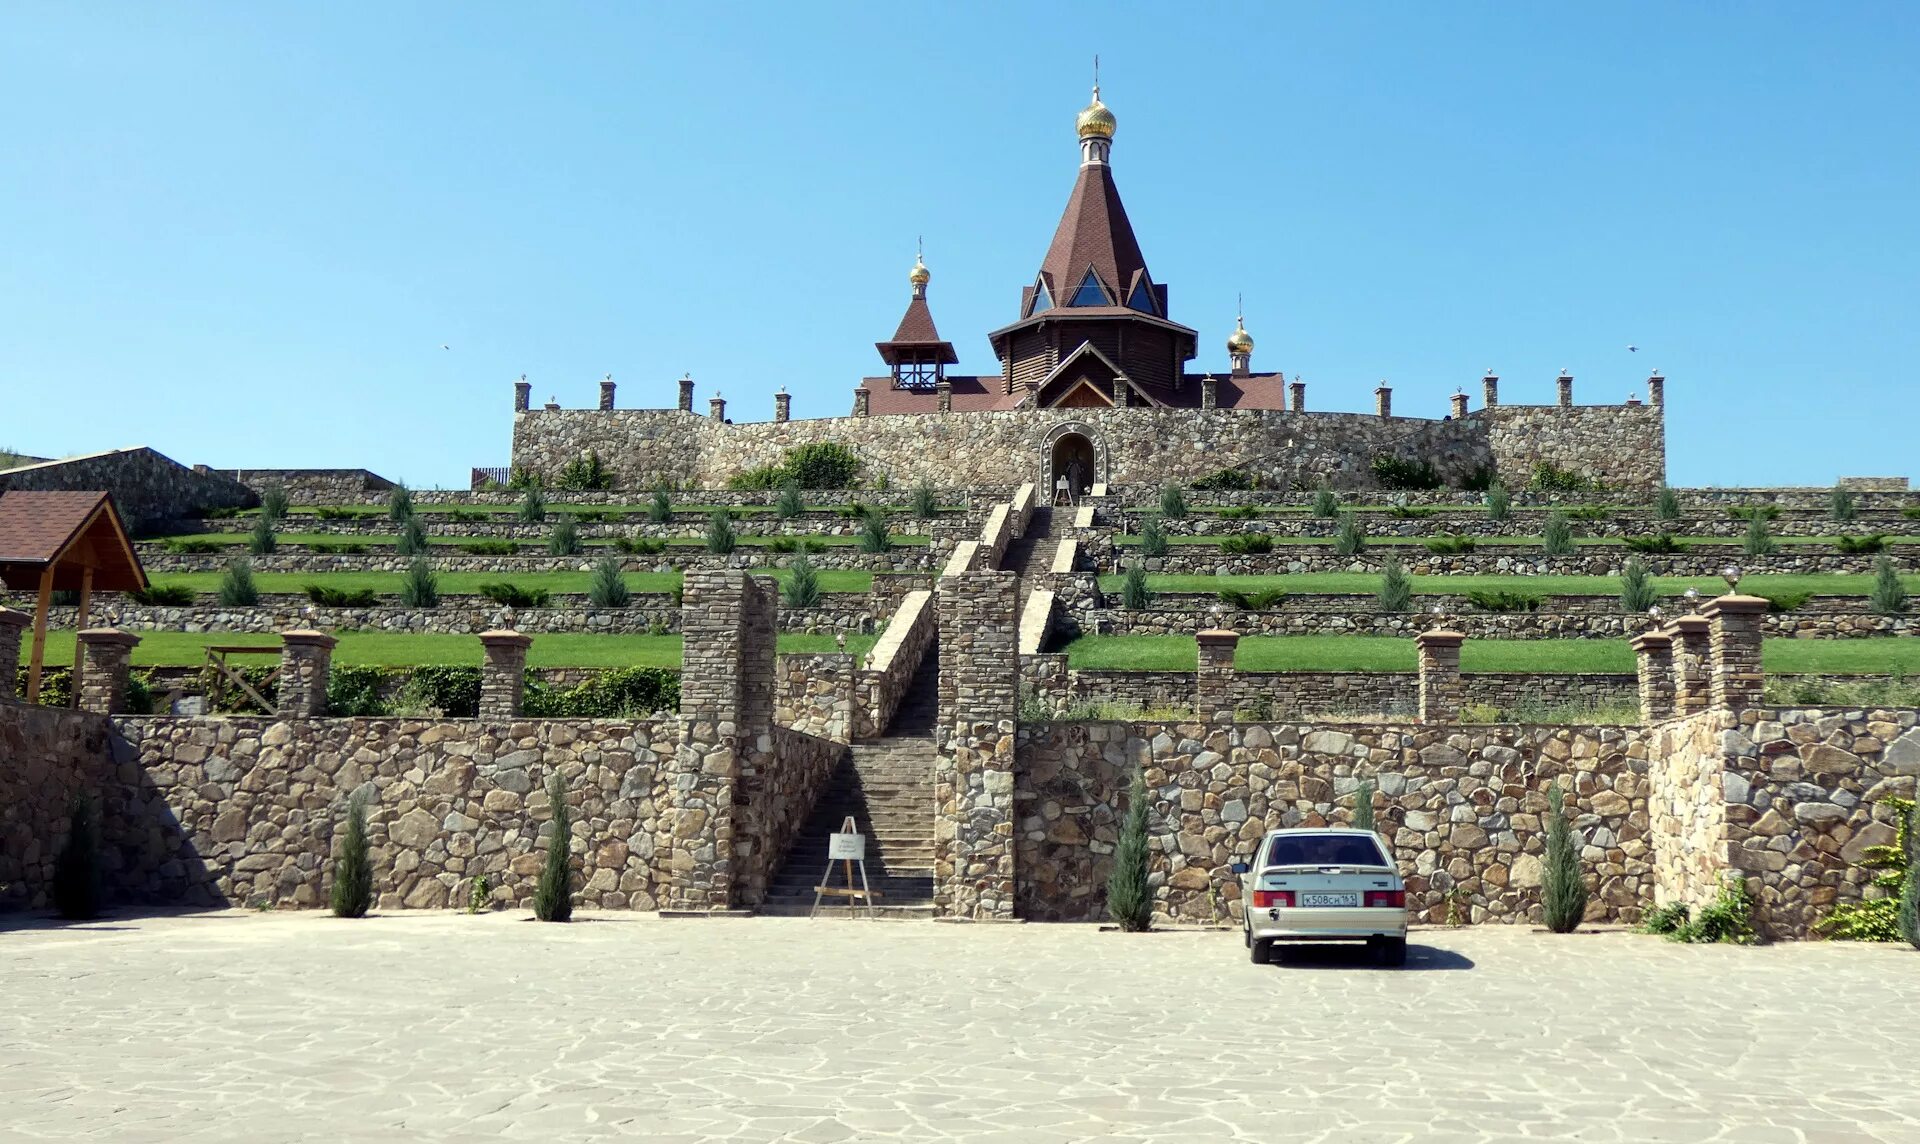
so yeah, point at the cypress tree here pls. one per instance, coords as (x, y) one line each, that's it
(1889, 596)
(925, 503)
(1134, 593)
(412, 539)
(273, 503)
(660, 508)
(1499, 502)
(76, 869)
(262, 541)
(1173, 502)
(1396, 587)
(873, 532)
(399, 503)
(236, 584)
(1363, 805)
(1842, 503)
(1563, 896)
(353, 870)
(1759, 539)
(419, 587)
(1325, 505)
(1636, 587)
(720, 536)
(1350, 537)
(1153, 538)
(801, 589)
(1556, 539)
(1129, 899)
(608, 589)
(563, 539)
(553, 897)
(1666, 506)
(533, 506)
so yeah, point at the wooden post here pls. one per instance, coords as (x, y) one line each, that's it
(39, 656)
(80, 625)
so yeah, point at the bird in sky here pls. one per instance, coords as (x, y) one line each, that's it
(446, 347)
(1630, 349)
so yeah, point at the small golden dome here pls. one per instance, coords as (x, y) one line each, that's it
(1096, 120)
(920, 275)
(1239, 341)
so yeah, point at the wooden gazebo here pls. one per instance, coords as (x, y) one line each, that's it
(63, 541)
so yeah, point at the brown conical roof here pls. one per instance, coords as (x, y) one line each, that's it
(1094, 232)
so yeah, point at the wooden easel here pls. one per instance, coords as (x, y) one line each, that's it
(849, 846)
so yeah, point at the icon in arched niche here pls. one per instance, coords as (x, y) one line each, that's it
(1073, 454)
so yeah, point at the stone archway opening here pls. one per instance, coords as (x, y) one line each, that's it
(1075, 461)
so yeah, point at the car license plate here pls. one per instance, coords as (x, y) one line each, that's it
(1312, 900)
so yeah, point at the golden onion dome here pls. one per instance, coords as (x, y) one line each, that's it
(1239, 341)
(1096, 120)
(919, 275)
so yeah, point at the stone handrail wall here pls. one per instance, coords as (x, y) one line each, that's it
(776, 793)
(995, 536)
(1036, 619)
(879, 687)
(1022, 508)
(813, 693)
(966, 555)
(1065, 555)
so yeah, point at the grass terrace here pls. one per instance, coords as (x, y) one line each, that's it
(402, 649)
(468, 583)
(1497, 542)
(557, 507)
(1367, 583)
(532, 545)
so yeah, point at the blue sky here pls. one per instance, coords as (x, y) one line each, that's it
(242, 233)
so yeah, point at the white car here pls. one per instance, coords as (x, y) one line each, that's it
(1323, 884)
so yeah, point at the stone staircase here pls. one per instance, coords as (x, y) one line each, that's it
(1031, 555)
(887, 787)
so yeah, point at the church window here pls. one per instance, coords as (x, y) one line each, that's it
(1041, 299)
(1091, 293)
(1142, 299)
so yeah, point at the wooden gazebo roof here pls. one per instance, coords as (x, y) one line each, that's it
(71, 534)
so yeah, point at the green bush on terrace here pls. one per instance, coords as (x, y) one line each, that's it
(822, 465)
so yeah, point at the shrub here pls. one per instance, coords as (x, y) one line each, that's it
(1889, 595)
(1665, 919)
(354, 691)
(1396, 587)
(1911, 513)
(1778, 601)
(339, 597)
(181, 546)
(924, 504)
(1556, 538)
(1227, 481)
(1326, 505)
(1661, 545)
(465, 516)
(1636, 587)
(1240, 512)
(1588, 512)
(478, 892)
(353, 870)
(1363, 806)
(621, 693)
(1350, 536)
(489, 547)
(1257, 601)
(823, 465)
(801, 588)
(419, 586)
(764, 477)
(1563, 895)
(1400, 473)
(553, 897)
(1129, 897)
(514, 596)
(1759, 539)
(1907, 915)
(608, 588)
(76, 869)
(873, 533)
(1548, 477)
(586, 473)
(720, 536)
(1728, 919)
(533, 506)
(262, 541)
(1499, 502)
(1504, 601)
(1134, 593)
(780, 545)
(1666, 506)
(1842, 504)
(399, 503)
(330, 512)
(521, 477)
(349, 549)
(1479, 479)
(162, 596)
(1173, 502)
(1247, 544)
(453, 691)
(588, 516)
(813, 546)
(1878, 919)
(236, 584)
(1762, 512)
(1153, 540)
(1861, 545)
(563, 539)
(412, 540)
(660, 507)
(789, 503)
(273, 503)
(1450, 544)
(639, 545)
(224, 512)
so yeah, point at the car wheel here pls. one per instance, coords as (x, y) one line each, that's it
(1246, 936)
(1393, 951)
(1262, 952)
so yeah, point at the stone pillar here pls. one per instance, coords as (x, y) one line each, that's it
(306, 660)
(1209, 393)
(1297, 396)
(717, 407)
(522, 395)
(1459, 406)
(1441, 690)
(1383, 401)
(1490, 390)
(606, 392)
(503, 674)
(1691, 637)
(1213, 684)
(1656, 389)
(686, 395)
(102, 686)
(783, 405)
(1734, 676)
(943, 392)
(860, 397)
(1565, 382)
(12, 623)
(973, 764)
(1654, 653)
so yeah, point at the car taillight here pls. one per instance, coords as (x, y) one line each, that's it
(1267, 899)
(1396, 899)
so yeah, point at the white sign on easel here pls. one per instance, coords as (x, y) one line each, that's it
(847, 847)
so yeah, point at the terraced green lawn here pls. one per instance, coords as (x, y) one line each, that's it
(529, 547)
(1366, 583)
(468, 583)
(1385, 653)
(558, 508)
(1498, 541)
(399, 649)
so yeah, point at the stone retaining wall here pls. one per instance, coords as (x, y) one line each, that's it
(149, 489)
(1703, 560)
(1524, 522)
(293, 559)
(1296, 693)
(1541, 625)
(469, 615)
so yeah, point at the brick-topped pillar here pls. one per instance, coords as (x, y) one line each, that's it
(686, 395)
(1734, 675)
(717, 407)
(1213, 684)
(306, 661)
(1490, 390)
(1209, 393)
(1459, 406)
(861, 396)
(12, 624)
(782, 405)
(102, 686)
(1653, 652)
(1565, 384)
(503, 674)
(606, 392)
(973, 764)
(1691, 638)
(943, 395)
(1383, 401)
(1656, 389)
(522, 394)
(1297, 396)
(1441, 689)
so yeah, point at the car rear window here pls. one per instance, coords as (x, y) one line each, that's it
(1325, 850)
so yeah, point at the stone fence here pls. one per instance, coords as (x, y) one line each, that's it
(832, 696)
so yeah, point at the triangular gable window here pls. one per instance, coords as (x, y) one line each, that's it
(1142, 299)
(1091, 293)
(1041, 299)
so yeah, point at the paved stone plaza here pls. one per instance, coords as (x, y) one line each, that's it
(297, 1026)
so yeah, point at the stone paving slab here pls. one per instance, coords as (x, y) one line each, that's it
(298, 1026)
